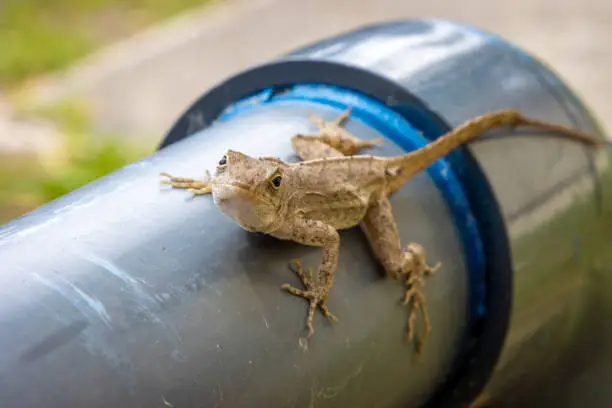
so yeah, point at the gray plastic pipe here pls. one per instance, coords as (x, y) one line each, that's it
(125, 294)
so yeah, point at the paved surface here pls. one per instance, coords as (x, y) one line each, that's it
(141, 86)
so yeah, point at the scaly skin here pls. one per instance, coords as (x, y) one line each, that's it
(330, 190)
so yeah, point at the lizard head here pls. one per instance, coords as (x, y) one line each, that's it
(250, 190)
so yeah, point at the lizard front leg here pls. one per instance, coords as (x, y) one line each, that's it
(316, 233)
(381, 231)
(195, 187)
(334, 136)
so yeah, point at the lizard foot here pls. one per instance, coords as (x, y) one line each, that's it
(414, 297)
(193, 186)
(315, 296)
(415, 265)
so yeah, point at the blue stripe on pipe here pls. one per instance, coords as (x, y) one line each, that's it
(395, 127)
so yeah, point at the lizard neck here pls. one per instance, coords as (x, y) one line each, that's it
(280, 218)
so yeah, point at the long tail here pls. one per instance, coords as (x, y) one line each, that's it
(401, 169)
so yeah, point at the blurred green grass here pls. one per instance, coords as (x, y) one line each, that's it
(83, 155)
(39, 36)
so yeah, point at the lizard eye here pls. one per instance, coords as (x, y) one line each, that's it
(223, 161)
(276, 181)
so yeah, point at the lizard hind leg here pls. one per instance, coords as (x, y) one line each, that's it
(381, 231)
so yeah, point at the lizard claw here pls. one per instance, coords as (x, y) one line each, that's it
(299, 271)
(315, 296)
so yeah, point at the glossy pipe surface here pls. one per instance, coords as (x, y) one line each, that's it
(122, 294)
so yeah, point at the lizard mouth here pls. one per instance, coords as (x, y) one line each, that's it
(222, 192)
(238, 184)
(244, 205)
(226, 191)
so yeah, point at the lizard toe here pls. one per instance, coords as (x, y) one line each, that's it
(315, 299)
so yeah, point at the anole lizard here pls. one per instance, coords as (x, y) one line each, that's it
(332, 189)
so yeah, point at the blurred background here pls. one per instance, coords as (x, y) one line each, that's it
(88, 86)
